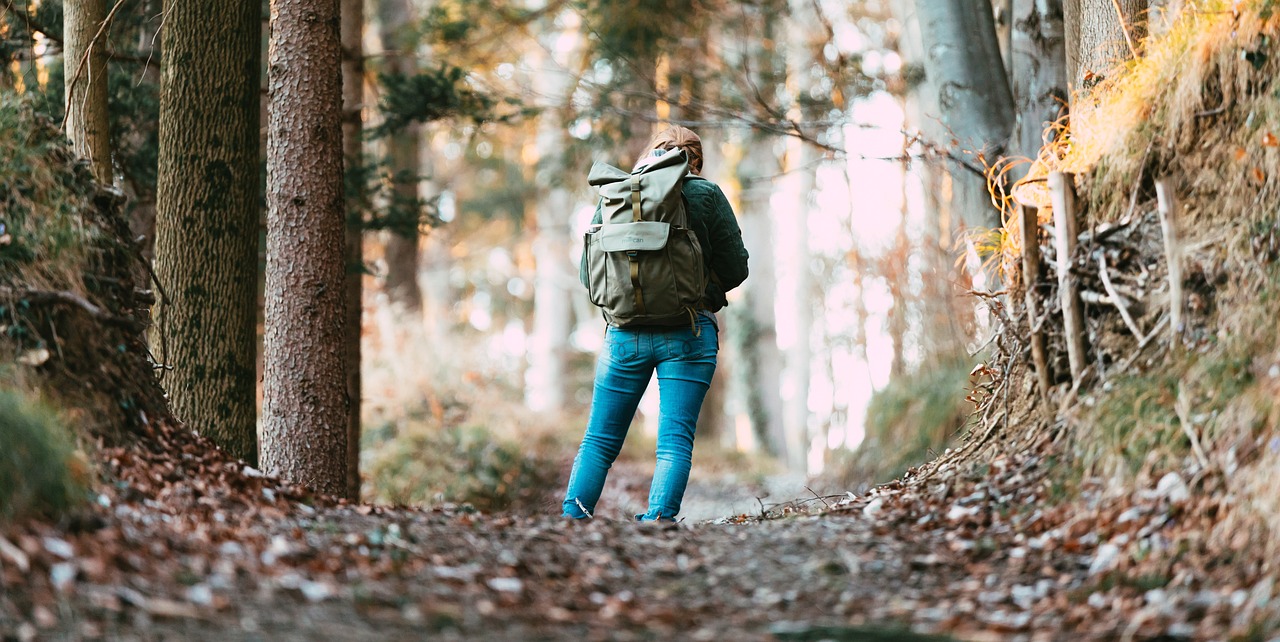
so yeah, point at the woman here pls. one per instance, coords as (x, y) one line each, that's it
(683, 356)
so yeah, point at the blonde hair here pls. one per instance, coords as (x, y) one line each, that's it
(677, 137)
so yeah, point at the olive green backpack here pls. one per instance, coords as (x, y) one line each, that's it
(644, 264)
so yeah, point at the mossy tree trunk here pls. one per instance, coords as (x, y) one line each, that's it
(86, 85)
(352, 139)
(304, 431)
(207, 216)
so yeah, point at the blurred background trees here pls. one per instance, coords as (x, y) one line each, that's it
(853, 138)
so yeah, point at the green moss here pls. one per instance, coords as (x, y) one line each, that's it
(908, 422)
(41, 202)
(462, 465)
(36, 478)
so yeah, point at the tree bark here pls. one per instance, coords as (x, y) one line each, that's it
(403, 149)
(555, 280)
(305, 404)
(798, 186)
(142, 215)
(1039, 75)
(753, 325)
(1098, 39)
(86, 85)
(352, 150)
(940, 335)
(207, 216)
(962, 60)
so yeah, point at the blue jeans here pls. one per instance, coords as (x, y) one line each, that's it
(685, 360)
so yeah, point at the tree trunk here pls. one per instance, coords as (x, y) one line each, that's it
(304, 436)
(555, 281)
(86, 85)
(796, 282)
(1039, 75)
(142, 215)
(403, 148)
(402, 252)
(207, 210)
(352, 151)
(1098, 39)
(940, 307)
(753, 324)
(962, 60)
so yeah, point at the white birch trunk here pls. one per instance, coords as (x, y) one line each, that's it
(1039, 74)
(962, 60)
(555, 279)
(795, 280)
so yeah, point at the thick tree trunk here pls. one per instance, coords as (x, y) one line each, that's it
(1098, 39)
(86, 85)
(352, 151)
(395, 18)
(962, 60)
(207, 209)
(304, 435)
(1039, 75)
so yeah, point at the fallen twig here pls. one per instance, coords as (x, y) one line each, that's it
(1115, 296)
(1182, 406)
(824, 502)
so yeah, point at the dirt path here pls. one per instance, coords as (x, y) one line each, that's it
(192, 548)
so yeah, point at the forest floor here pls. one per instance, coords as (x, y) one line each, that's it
(193, 546)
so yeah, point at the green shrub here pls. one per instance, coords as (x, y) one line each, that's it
(907, 422)
(463, 465)
(38, 472)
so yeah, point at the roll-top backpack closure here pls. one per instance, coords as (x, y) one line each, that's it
(644, 264)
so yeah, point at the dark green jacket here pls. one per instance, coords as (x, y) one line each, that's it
(712, 220)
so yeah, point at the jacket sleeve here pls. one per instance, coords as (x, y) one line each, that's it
(729, 255)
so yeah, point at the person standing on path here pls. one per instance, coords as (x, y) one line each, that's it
(684, 356)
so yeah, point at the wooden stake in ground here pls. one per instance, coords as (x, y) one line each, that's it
(1167, 205)
(1063, 195)
(1030, 225)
